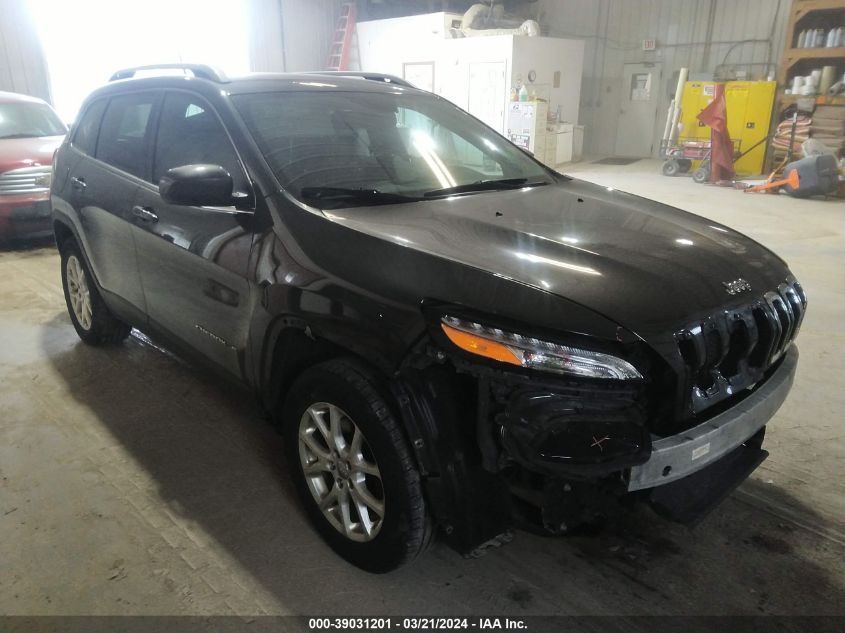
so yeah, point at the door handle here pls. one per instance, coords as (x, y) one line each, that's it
(78, 183)
(264, 284)
(144, 213)
(217, 291)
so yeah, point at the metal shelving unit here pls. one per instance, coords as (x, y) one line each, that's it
(806, 14)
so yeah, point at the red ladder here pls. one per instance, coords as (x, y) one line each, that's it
(342, 42)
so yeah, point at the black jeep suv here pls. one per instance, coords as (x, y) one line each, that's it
(451, 336)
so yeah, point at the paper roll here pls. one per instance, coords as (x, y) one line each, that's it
(827, 79)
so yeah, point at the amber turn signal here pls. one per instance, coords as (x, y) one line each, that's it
(532, 353)
(481, 346)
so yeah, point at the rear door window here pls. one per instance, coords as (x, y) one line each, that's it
(85, 132)
(123, 135)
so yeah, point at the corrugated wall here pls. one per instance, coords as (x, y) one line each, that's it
(285, 35)
(291, 35)
(702, 35)
(266, 51)
(309, 27)
(22, 66)
(295, 35)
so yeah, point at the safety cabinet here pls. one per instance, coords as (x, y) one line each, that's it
(749, 105)
(697, 96)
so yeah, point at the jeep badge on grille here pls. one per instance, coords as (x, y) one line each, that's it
(736, 286)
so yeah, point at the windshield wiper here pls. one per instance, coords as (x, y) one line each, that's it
(485, 185)
(8, 136)
(349, 194)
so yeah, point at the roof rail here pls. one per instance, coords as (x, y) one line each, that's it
(201, 71)
(387, 79)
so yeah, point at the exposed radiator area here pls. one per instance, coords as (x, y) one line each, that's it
(731, 350)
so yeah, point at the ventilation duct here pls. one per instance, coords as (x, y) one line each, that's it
(482, 19)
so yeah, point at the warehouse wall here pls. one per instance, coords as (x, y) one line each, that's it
(291, 35)
(266, 51)
(295, 35)
(22, 66)
(742, 34)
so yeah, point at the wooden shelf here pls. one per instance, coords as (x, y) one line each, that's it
(794, 56)
(806, 14)
(814, 53)
(816, 5)
(800, 8)
(808, 10)
(785, 99)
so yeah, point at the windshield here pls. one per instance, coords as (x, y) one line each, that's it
(394, 146)
(27, 120)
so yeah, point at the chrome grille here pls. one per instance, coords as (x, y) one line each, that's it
(731, 350)
(25, 180)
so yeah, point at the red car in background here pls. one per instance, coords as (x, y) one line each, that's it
(30, 131)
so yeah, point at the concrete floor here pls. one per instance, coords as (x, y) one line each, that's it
(132, 484)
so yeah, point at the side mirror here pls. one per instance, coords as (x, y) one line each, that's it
(197, 186)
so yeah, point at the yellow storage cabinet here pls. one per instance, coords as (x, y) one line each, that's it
(749, 106)
(697, 96)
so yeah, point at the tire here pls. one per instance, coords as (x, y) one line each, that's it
(346, 393)
(702, 174)
(671, 167)
(93, 321)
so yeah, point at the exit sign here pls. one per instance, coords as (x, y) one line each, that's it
(649, 45)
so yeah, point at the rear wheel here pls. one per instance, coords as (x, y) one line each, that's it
(353, 468)
(91, 319)
(702, 174)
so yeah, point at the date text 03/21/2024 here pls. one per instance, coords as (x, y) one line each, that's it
(415, 624)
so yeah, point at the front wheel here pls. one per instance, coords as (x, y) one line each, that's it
(671, 167)
(353, 468)
(91, 318)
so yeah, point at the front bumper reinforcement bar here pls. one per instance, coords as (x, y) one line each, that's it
(678, 456)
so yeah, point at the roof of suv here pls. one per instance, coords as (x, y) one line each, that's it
(14, 97)
(270, 82)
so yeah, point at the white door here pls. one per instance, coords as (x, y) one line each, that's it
(638, 110)
(488, 93)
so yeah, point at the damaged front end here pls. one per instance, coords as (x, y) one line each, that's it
(501, 444)
(556, 431)
(563, 446)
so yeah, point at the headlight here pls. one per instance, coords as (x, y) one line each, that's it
(524, 351)
(44, 180)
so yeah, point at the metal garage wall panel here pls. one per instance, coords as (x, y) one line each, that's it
(698, 34)
(291, 35)
(308, 28)
(22, 65)
(266, 51)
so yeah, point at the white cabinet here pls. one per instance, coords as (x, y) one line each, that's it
(477, 73)
(570, 141)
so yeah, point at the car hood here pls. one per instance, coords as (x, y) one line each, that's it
(27, 152)
(642, 264)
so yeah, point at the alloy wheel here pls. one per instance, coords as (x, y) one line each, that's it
(341, 472)
(79, 292)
